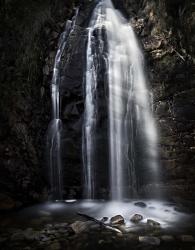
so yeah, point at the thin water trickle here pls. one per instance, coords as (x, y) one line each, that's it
(55, 126)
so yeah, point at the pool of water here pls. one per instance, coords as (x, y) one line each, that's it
(167, 214)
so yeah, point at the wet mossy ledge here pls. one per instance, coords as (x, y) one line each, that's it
(28, 44)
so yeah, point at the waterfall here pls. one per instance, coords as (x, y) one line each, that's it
(132, 131)
(90, 116)
(55, 126)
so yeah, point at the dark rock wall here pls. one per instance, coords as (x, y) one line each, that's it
(28, 44)
(28, 38)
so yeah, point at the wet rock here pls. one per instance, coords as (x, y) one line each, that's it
(140, 204)
(149, 240)
(153, 223)
(167, 238)
(104, 219)
(187, 238)
(158, 53)
(117, 220)
(137, 24)
(80, 226)
(152, 43)
(136, 218)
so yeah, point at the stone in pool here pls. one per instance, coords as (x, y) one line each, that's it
(140, 204)
(81, 226)
(104, 219)
(153, 223)
(117, 220)
(136, 218)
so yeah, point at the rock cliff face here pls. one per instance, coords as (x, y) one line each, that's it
(28, 45)
(29, 33)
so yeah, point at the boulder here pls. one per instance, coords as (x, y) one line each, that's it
(136, 218)
(153, 223)
(104, 219)
(117, 220)
(80, 226)
(140, 204)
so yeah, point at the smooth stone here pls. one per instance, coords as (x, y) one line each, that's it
(187, 238)
(153, 223)
(167, 238)
(117, 220)
(80, 226)
(122, 228)
(149, 240)
(95, 226)
(104, 219)
(140, 204)
(136, 218)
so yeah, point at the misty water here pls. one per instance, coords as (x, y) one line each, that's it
(166, 213)
(132, 132)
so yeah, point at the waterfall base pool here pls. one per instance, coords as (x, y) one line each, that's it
(57, 225)
(171, 216)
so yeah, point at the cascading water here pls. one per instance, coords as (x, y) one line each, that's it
(90, 116)
(132, 131)
(55, 126)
